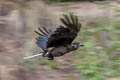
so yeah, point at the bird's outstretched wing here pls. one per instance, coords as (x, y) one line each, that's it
(66, 33)
(63, 35)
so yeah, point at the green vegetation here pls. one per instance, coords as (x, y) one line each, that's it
(49, 65)
(99, 60)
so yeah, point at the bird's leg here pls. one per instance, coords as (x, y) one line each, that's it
(50, 56)
(45, 53)
(29, 57)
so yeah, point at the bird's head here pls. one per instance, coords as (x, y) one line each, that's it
(76, 45)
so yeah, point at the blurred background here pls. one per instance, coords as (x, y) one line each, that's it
(99, 59)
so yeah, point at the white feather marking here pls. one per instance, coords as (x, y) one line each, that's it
(46, 53)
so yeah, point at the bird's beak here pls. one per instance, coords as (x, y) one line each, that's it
(81, 44)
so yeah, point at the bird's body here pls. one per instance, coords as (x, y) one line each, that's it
(59, 42)
(61, 50)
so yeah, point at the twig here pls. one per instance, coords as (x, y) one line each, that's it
(29, 57)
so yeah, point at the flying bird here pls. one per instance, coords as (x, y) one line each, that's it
(61, 41)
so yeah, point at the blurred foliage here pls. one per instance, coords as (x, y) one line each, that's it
(75, 0)
(99, 62)
(49, 65)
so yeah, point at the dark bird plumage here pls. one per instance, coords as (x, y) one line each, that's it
(60, 41)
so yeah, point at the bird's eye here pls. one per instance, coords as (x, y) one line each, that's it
(75, 45)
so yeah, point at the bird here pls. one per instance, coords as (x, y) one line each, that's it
(61, 41)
